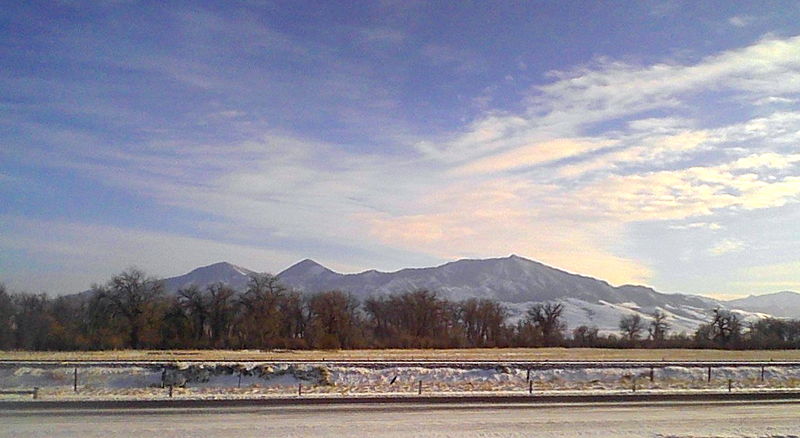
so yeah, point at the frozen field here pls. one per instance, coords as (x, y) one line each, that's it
(254, 379)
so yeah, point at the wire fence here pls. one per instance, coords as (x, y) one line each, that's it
(302, 379)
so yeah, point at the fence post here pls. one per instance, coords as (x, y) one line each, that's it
(528, 376)
(35, 392)
(530, 386)
(239, 385)
(709, 374)
(163, 376)
(299, 389)
(730, 385)
(75, 380)
(170, 391)
(652, 374)
(419, 389)
(762, 373)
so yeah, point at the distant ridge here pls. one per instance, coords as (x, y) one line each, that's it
(515, 281)
(784, 304)
(224, 272)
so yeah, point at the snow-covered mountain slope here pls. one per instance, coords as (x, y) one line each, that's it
(515, 281)
(518, 283)
(223, 272)
(784, 304)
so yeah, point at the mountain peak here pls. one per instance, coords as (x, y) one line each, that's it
(222, 267)
(220, 272)
(305, 267)
(307, 262)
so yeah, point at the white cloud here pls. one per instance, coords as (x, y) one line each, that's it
(768, 160)
(680, 194)
(610, 90)
(713, 226)
(741, 20)
(770, 100)
(726, 246)
(539, 183)
(532, 155)
(501, 217)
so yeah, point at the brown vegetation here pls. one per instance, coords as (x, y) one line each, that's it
(498, 354)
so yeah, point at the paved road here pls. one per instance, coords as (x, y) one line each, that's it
(763, 419)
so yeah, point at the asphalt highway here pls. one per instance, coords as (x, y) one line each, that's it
(779, 418)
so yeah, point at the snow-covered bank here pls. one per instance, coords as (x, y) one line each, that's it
(248, 379)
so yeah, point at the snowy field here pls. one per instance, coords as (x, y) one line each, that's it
(215, 380)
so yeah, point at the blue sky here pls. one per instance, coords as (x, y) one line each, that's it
(639, 142)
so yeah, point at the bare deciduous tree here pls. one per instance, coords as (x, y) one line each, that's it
(483, 321)
(333, 320)
(129, 294)
(631, 327)
(261, 320)
(6, 319)
(585, 336)
(724, 330)
(219, 300)
(546, 317)
(658, 327)
(195, 306)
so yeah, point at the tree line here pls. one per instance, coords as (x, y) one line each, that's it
(132, 310)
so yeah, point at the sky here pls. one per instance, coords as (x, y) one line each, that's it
(643, 142)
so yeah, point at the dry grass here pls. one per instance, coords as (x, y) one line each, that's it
(498, 354)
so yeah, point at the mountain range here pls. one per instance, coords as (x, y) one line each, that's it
(516, 282)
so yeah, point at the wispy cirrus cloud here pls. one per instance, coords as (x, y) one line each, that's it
(289, 143)
(533, 155)
(648, 169)
(609, 90)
